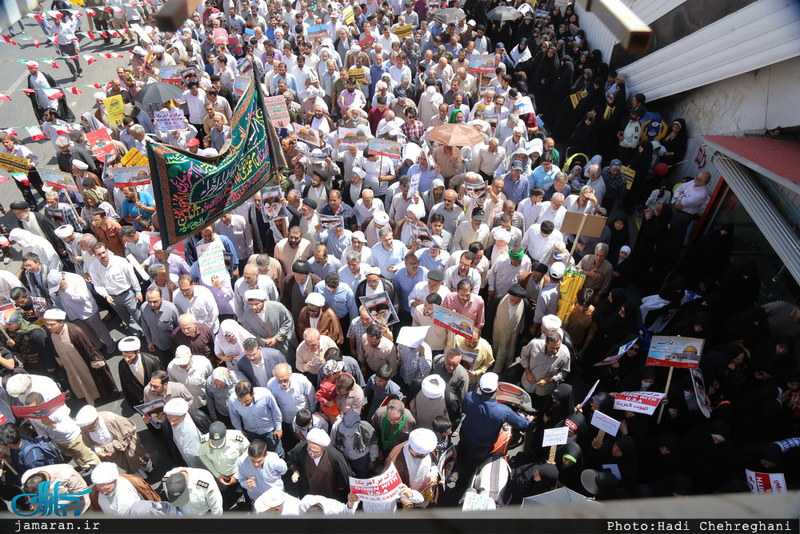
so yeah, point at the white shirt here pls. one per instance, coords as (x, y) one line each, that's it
(363, 213)
(194, 379)
(538, 245)
(238, 231)
(547, 213)
(115, 279)
(76, 300)
(202, 306)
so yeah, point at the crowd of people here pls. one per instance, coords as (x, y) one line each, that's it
(314, 355)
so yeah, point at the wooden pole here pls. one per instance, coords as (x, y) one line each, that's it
(666, 390)
(601, 435)
(66, 194)
(552, 457)
(577, 236)
(3, 330)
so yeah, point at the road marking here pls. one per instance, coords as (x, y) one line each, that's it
(14, 86)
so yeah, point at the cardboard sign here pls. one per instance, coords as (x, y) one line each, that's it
(358, 137)
(675, 351)
(307, 134)
(57, 215)
(271, 207)
(766, 482)
(134, 158)
(212, 261)
(607, 424)
(404, 31)
(220, 36)
(476, 502)
(357, 74)
(476, 190)
(699, 388)
(277, 110)
(575, 98)
(101, 144)
(13, 163)
(410, 336)
(586, 225)
(452, 321)
(114, 110)
(318, 32)
(366, 42)
(423, 236)
(383, 488)
(524, 106)
(380, 308)
(468, 358)
(385, 147)
(482, 63)
(331, 221)
(171, 74)
(638, 401)
(131, 176)
(629, 174)
(59, 180)
(150, 409)
(349, 16)
(555, 436)
(39, 411)
(614, 358)
(170, 120)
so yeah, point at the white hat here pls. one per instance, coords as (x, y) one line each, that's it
(433, 386)
(272, 498)
(361, 172)
(381, 217)
(54, 314)
(417, 210)
(99, 95)
(54, 278)
(105, 473)
(86, 416)
(372, 270)
(158, 245)
(129, 344)
(488, 382)
(422, 440)
(318, 436)
(18, 384)
(176, 406)
(139, 51)
(557, 270)
(551, 322)
(80, 164)
(358, 235)
(183, 355)
(501, 234)
(255, 294)
(315, 299)
(158, 49)
(64, 231)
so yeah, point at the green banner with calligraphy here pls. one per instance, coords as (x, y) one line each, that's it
(193, 191)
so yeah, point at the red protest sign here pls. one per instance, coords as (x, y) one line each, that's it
(39, 411)
(101, 144)
(638, 401)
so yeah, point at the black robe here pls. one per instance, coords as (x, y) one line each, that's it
(131, 388)
(64, 113)
(296, 460)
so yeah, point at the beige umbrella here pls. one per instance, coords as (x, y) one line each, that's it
(456, 135)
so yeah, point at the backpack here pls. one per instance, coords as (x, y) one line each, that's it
(46, 447)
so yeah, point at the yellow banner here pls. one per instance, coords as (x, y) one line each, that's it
(349, 16)
(134, 158)
(13, 163)
(404, 31)
(114, 109)
(576, 97)
(629, 174)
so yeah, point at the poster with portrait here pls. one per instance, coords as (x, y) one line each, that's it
(477, 190)
(271, 206)
(380, 308)
(328, 222)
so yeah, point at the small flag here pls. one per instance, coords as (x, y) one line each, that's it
(106, 55)
(107, 10)
(50, 62)
(10, 131)
(117, 55)
(39, 18)
(53, 94)
(7, 39)
(36, 42)
(89, 59)
(28, 91)
(56, 14)
(116, 10)
(91, 35)
(3, 97)
(104, 34)
(95, 85)
(35, 132)
(114, 33)
(4, 179)
(74, 90)
(90, 12)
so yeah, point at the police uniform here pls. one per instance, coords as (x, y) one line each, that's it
(221, 460)
(204, 495)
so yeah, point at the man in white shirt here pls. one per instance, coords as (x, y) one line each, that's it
(540, 239)
(197, 301)
(251, 279)
(690, 197)
(235, 228)
(195, 99)
(553, 210)
(115, 280)
(191, 370)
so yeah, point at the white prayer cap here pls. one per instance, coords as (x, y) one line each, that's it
(86, 416)
(417, 210)
(54, 314)
(315, 299)
(318, 436)
(551, 322)
(183, 355)
(105, 473)
(422, 440)
(158, 49)
(129, 344)
(433, 386)
(64, 231)
(361, 172)
(359, 236)
(488, 382)
(176, 406)
(79, 164)
(99, 95)
(501, 234)
(139, 51)
(158, 245)
(372, 270)
(54, 278)
(18, 384)
(381, 217)
(272, 498)
(255, 294)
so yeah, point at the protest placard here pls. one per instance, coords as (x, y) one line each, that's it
(452, 321)
(482, 63)
(331, 221)
(476, 190)
(383, 488)
(220, 36)
(412, 336)
(169, 120)
(404, 31)
(357, 74)
(675, 351)
(574, 98)
(240, 84)
(277, 110)
(39, 411)
(700, 396)
(134, 158)
(114, 111)
(476, 502)
(524, 106)
(56, 215)
(307, 134)
(468, 358)
(235, 45)
(380, 308)
(171, 74)
(366, 42)
(14, 163)
(358, 137)
(151, 409)
(318, 32)
(555, 436)
(212, 261)
(611, 359)
(348, 15)
(413, 187)
(638, 401)
(423, 236)
(766, 482)
(60, 180)
(607, 424)
(385, 147)
(101, 144)
(131, 176)
(189, 74)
